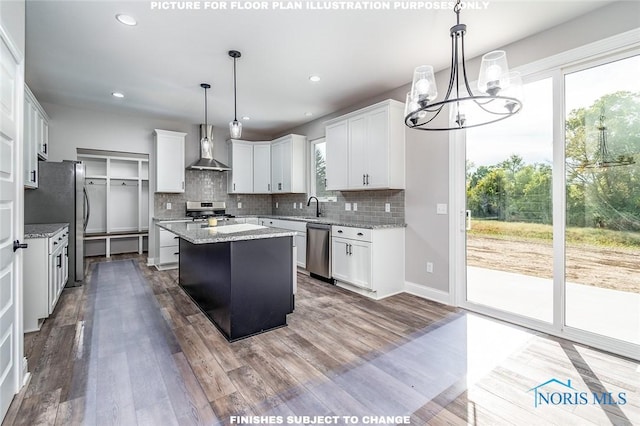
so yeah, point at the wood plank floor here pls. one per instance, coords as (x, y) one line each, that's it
(131, 348)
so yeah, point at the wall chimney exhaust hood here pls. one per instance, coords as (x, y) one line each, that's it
(206, 160)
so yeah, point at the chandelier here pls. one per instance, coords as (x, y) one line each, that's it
(500, 90)
(603, 158)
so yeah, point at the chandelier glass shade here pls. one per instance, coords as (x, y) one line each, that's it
(499, 90)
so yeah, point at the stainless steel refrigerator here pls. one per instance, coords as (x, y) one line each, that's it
(61, 197)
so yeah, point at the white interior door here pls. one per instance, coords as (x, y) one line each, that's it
(11, 95)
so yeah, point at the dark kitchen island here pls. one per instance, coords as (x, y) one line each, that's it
(240, 275)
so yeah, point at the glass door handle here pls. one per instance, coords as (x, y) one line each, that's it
(467, 217)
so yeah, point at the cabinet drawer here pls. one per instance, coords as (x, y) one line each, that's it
(168, 239)
(360, 234)
(169, 254)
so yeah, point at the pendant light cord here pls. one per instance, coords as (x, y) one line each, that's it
(235, 96)
(205, 108)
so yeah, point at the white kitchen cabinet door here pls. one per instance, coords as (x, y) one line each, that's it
(241, 181)
(340, 264)
(262, 168)
(277, 178)
(357, 152)
(30, 148)
(288, 164)
(360, 263)
(377, 149)
(301, 243)
(336, 137)
(169, 153)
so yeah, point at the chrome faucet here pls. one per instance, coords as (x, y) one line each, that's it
(317, 205)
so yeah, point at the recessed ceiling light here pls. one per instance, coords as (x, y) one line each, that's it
(117, 95)
(246, 118)
(314, 78)
(308, 114)
(126, 19)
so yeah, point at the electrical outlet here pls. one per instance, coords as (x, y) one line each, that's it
(239, 204)
(441, 209)
(300, 206)
(294, 205)
(355, 207)
(430, 267)
(276, 204)
(387, 207)
(168, 206)
(347, 207)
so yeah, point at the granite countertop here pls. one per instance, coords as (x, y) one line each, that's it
(201, 233)
(42, 230)
(336, 222)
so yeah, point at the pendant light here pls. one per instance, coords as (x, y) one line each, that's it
(235, 127)
(500, 90)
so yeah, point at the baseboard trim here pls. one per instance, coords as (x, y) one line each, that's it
(428, 293)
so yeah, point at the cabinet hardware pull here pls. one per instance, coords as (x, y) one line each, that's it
(268, 187)
(176, 253)
(45, 147)
(339, 231)
(59, 264)
(346, 248)
(360, 233)
(350, 249)
(367, 179)
(363, 180)
(33, 174)
(182, 184)
(234, 186)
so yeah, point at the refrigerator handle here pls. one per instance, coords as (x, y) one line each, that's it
(87, 213)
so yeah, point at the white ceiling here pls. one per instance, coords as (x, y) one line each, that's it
(78, 54)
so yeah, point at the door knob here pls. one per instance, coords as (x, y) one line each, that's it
(18, 245)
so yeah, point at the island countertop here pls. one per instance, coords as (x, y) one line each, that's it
(202, 233)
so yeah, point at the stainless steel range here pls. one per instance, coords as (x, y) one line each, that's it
(202, 210)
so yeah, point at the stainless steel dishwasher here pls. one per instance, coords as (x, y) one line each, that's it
(319, 251)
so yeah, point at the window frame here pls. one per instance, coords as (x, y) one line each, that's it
(312, 171)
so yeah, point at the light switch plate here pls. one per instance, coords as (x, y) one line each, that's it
(430, 267)
(347, 207)
(387, 207)
(276, 204)
(295, 205)
(168, 206)
(441, 209)
(355, 207)
(239, 204)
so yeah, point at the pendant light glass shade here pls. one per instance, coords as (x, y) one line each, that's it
(424, 84)
(235, 129)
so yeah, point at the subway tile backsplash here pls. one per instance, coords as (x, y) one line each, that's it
(207, 185)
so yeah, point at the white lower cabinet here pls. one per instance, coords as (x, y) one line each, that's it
(301, 237)
(46, 270)
(368, 261)
(169, 249)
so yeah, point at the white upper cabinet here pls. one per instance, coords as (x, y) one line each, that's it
(169, 154)
(240, 178)
(336, 168)
(262, 168)
(250, 167)
(288, 164)
(36, 137)
(366, 148)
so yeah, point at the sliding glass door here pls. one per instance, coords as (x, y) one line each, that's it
(509, 210)
(602, 234)
(549, 229)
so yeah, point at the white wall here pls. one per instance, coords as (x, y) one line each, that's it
(12, 18)
(427, 153)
